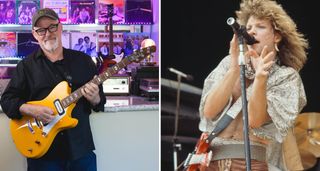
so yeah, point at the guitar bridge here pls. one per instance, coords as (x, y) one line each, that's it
(58, 106)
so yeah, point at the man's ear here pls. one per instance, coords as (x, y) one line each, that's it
(61, 26)
(35, 34)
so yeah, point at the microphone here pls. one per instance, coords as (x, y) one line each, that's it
(241, 30)
(186, 76)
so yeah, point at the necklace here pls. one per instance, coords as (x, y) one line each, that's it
(250, 71)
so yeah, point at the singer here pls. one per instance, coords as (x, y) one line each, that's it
(275, 92)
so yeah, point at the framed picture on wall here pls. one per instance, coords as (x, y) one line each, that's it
(132, 41)
(26, 9)
(84, 42)
(138, 11)
(8, 44)
(104, 46)
(7, 11)
(82, 12)
(118, 11)
(65, 40)
(60, 7)
(26, 44)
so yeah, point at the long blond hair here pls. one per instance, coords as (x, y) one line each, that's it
(293, 45)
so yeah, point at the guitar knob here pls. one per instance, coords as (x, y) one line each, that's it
(44, 134)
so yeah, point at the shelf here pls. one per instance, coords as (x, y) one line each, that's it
(73, 27)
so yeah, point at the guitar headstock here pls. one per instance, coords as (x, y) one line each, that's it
(142, 53)
(110, 10)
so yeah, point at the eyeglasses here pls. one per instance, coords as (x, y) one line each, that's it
(43, 31)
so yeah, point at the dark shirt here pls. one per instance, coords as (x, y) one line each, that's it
(35, 77)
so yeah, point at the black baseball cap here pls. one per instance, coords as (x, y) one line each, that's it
(45, 12)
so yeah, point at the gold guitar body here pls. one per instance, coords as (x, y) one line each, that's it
(30, 136)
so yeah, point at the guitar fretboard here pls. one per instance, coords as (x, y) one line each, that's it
(76, 95)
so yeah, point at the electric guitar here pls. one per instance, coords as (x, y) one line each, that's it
(200, 158)
(115, 57)
(32, 138)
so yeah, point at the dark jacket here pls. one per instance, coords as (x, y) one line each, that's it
(35, 77)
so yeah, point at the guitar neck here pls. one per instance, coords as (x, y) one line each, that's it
(76, 95)
(111, 33)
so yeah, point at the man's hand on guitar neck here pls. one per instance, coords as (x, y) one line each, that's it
(41, 113)
(91, 93)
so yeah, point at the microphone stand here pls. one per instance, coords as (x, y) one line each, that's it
(176, 145)
(244, 102)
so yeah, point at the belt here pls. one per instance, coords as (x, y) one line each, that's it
(231, 151)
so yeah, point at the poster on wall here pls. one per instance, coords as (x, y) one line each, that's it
(118, 11)
(8, 44)
(131, 42)
(7, 12)
(82, 12)
(65, 40)
(26, 44)
(84, 42)
(60, 7)
(138, 11)
(26, 9)
(104, 46)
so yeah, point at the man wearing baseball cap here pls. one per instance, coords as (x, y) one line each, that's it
(36, 76)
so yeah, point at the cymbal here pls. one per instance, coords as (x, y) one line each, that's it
(307, 146)
(307, 158)
(307, 132)
(308, 121)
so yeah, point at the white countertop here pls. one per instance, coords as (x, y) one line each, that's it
(129, 103)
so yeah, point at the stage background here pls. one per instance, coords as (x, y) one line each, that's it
(195, 37)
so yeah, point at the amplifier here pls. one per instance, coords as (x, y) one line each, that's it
(150, 88)
(116, 85)
(149, 85)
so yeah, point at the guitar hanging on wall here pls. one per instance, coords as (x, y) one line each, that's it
(33, 138)
(112, 58)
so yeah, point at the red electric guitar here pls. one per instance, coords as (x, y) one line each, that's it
(200, 158)
(112, 58)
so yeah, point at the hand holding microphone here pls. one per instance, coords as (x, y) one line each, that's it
(241, 31)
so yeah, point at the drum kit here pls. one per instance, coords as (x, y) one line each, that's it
(307, 133)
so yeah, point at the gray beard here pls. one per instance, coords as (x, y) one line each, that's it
(50, 47)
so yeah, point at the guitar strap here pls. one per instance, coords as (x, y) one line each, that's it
(228, 115)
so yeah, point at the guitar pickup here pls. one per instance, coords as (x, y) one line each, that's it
(58, 106)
